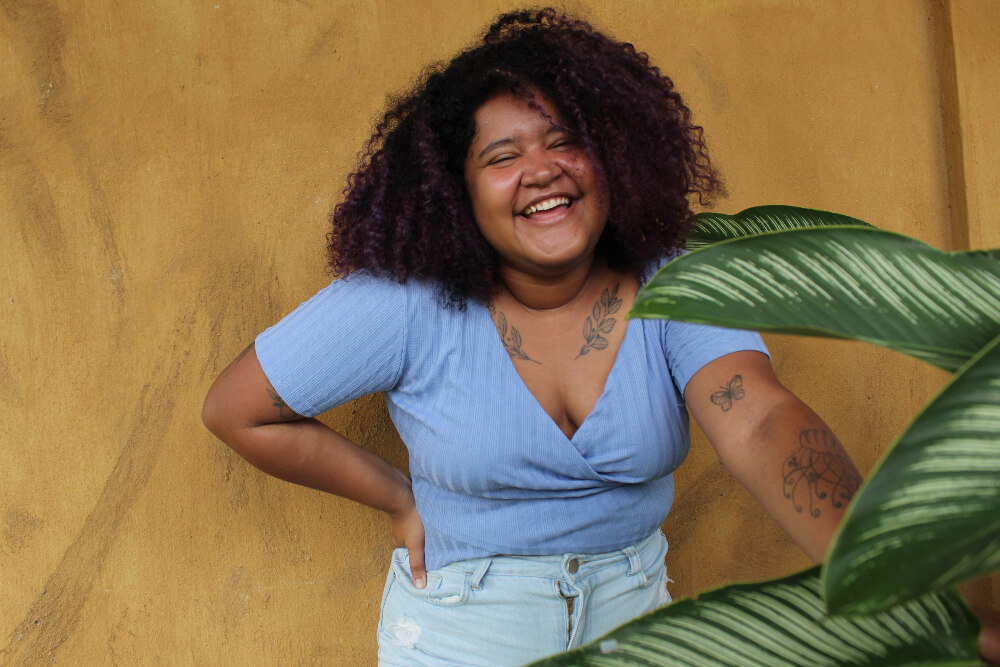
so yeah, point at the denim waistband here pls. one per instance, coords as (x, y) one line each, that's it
(567, 566)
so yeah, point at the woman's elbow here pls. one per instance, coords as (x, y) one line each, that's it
(220, 414)
(211, 416)
(214, 415)
(239, 400)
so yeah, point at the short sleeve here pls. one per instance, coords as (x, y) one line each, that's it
(689, 347)
(343, 343)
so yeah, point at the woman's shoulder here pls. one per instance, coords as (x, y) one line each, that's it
(650, 269)
(364, 284)
(412, 300)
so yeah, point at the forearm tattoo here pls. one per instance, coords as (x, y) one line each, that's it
(818, 470)
(726, 395)
(285, 413)
(600, 321)
(510, 336)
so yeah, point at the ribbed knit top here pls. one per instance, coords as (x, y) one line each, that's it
(492, 472)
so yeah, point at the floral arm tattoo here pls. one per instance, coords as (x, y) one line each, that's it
(819, 470)
(510, 336)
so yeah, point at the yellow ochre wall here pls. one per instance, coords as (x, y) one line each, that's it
(165, 173)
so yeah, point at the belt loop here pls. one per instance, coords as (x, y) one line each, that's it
(476, 577)
(634, 563)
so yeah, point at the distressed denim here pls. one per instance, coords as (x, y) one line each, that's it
(511, 610)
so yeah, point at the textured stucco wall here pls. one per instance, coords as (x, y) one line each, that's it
(165, 173)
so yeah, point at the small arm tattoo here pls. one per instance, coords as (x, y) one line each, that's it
(726, 395)
(600, 321)
(510, 336)
(819, 469)
(285, 413)
(229, 369)
(245, 351)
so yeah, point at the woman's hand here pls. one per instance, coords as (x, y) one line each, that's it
(408, 532)
(245, 412)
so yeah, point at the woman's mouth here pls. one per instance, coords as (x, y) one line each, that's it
(545, 205)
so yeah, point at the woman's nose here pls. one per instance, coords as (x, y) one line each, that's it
(540, 168)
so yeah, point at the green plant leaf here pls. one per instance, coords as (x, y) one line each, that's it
(989, 255)
(713, 227)
(859, 283)
(929, 515)
(781, 623)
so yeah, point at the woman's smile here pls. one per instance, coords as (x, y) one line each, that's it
(547, 204)
(549, 210)
(537, 197)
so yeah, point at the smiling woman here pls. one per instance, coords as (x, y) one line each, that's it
(503, 218)
(407, 211)
(537, 197)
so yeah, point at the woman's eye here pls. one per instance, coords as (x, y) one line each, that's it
(500, 159)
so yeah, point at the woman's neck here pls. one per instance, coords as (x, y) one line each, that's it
(549, 292)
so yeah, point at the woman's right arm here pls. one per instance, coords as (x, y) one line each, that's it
(244, 411)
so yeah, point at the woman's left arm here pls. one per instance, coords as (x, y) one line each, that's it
(776, 446)
(784, 454)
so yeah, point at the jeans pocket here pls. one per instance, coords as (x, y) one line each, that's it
(445, 587)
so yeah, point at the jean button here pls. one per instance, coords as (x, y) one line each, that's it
(573, 565)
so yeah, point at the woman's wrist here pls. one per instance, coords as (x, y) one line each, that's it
(401, 500)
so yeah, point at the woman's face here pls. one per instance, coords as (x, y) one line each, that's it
(538, 199)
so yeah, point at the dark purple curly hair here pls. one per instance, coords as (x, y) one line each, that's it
(406, 212)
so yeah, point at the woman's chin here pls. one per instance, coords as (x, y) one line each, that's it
(552, 264)
(555, 251)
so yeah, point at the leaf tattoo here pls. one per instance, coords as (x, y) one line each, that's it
(726, 395)
(511, 339)
(600, 321)
(285, 413)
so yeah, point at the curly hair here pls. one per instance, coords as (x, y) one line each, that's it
(406, 212)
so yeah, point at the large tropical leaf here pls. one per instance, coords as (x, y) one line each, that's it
(993, 255)
(714, 227)
(782, 624)
(851, 282)
(929, 515)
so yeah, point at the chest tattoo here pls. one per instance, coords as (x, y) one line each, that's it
(510, 336)
(600, 321)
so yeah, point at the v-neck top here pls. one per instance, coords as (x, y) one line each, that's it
(492, 472)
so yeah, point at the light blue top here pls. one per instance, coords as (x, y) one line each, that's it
(492, 472)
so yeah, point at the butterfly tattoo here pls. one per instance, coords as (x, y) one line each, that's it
(726, 395)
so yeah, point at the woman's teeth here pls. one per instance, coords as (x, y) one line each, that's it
(546, 205)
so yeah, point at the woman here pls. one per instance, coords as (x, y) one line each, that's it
(504, 216)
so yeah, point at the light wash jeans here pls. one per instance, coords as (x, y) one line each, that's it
(511, 610)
